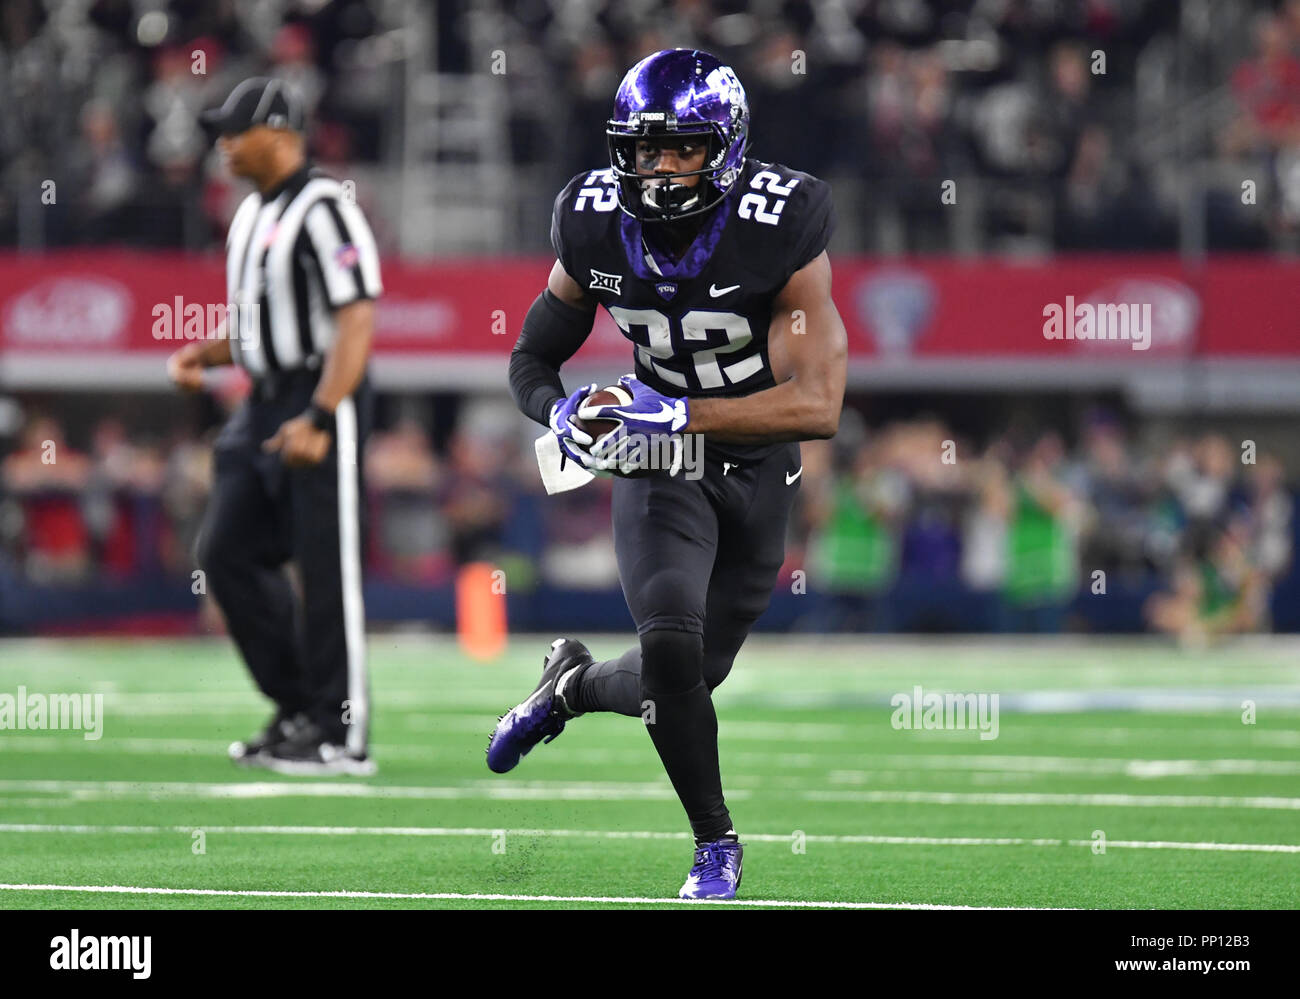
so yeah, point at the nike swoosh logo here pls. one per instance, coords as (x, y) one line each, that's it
(666, 414)
(790, 478)
(715, 291)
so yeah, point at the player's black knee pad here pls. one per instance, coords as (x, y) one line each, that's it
(671, 661)
(670, 598)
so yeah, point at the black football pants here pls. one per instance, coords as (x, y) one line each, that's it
(307, 655)
(697, 560)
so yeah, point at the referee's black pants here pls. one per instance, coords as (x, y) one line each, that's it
(306, 655)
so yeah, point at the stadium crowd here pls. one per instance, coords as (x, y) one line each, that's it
(1021, 525)
(1050, 147)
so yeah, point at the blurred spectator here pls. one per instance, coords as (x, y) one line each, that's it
(1201, 478)
(46, 479)
(476, 497)
(925, 452)
(1114, 487)
(1267, 89)
(411, 538)
(856, 523)
(293, 59)
(187, 479)
(173, 102)
(1267, 129)
(909, 102)
(1216, 591)
(106, 180)
(1268, 512)
(984, 535)
(1042, 536)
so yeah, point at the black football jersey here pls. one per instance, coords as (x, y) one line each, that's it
(699, 324)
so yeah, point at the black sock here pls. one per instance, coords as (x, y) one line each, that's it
(612, 685)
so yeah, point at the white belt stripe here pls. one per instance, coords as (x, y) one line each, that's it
(354, 615)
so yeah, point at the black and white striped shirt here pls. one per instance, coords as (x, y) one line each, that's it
(297, 255)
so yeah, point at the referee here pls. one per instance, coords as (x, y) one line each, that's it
(302, 275)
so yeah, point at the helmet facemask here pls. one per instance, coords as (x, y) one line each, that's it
(663, 197)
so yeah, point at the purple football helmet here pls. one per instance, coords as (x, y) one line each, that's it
(678, 93)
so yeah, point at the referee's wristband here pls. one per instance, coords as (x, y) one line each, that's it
(321, 418)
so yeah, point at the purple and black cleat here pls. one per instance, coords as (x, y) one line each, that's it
(717, 870)
(542, 716)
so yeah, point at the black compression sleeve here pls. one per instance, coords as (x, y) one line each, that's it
(552, 333)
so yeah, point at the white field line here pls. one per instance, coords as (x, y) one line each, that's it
(603, 791)
(1210, 699)
(1219, 737)
(479, 897)
(900, 763)
(484, 789)
(471, 832)
(1028, 798)
(823, 732)
(194, 709)
(1141, 768)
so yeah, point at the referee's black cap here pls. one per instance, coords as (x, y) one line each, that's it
(259, 100)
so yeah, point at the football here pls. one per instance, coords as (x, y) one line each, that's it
(612, 395)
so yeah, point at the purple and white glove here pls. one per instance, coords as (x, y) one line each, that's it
(573, 441)
(650, 414)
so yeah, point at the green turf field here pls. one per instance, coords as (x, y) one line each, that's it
(1134, 741)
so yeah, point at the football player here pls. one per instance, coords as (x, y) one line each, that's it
(714, 265)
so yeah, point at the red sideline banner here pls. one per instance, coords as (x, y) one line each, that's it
(74, 317)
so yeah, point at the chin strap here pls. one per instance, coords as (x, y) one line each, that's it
(650, 196)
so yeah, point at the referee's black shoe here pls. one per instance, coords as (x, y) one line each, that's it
(308, 753)
(281, 727)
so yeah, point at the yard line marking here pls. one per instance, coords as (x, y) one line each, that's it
(471, 832)
(1140, 768)
(1029, 798)
(1024, 701)
(607, 791)
(1224, 847)
(485, 788)
(484, 897)
(893, 763)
